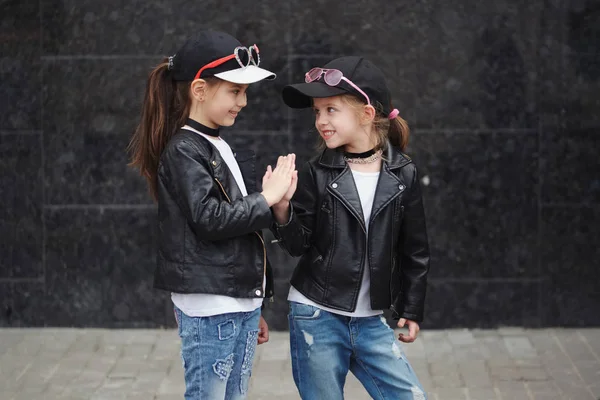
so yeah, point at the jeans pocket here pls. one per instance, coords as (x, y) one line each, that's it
(304, 311)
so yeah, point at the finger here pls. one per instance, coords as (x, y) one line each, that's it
(405, 338)
(292, 165)
(268, 172)
(260, 334)
(414, 331)
(263, 336)
(265, 178)
(279, 162)
(283, 165)
(401, 322)
(294, 183)
(288, 163)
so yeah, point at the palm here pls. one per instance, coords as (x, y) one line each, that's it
(292, 189)
(290, 193)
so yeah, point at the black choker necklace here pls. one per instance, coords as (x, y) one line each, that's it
(202, 128)
(366, 154)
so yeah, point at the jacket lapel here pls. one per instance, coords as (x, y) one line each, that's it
(344, 189)
(389, 187)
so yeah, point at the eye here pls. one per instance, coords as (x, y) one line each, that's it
(330, 109)
(316, 110)
(236, 91)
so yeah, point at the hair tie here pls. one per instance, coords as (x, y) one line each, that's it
(170, 67)
(393, 114)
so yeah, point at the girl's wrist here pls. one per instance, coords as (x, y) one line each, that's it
(282, 206)
(281, 212)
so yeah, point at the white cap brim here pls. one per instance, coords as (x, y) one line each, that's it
(246, 75)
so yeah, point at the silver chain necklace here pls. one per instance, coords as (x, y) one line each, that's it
(367, 160)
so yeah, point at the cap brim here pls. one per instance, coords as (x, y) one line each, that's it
(301, 94)
(246, 75)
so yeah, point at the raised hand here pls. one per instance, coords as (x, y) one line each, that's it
(287, 197)
(276, 182)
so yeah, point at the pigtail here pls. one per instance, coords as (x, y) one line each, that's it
(398, 132)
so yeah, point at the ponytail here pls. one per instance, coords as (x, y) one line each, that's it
(165, 109)
(398, 133)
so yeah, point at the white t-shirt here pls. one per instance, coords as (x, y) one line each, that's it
(366, 184)
(205, 305)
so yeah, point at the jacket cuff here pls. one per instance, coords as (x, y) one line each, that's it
(411, 312)
(276, 227)
(414, 313)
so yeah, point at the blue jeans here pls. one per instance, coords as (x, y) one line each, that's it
(325, 346)
(217, 353)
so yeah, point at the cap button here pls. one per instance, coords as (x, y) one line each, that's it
(334, 185)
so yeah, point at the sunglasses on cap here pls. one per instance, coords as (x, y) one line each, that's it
(331, 77)
(243, 55)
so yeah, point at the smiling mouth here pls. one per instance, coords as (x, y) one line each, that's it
(327, 134)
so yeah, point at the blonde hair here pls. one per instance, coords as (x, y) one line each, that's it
(395, 130)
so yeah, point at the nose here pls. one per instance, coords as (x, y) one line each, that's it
(321, 120)
(242, 100)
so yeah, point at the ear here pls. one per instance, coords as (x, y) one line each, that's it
(198, 89)
(368, 114)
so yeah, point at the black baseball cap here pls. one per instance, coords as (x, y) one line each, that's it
(362, 72)
(208, 46)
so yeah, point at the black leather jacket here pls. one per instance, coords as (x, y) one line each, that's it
(327, 230)
(210, 238)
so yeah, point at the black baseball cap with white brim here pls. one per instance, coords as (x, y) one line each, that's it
(217, 54)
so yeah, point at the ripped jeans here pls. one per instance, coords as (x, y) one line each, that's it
(325, 346)
(217, 353)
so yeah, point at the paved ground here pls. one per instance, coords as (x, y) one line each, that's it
(504, 364)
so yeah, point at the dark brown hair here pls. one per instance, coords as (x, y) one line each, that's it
(165, 109)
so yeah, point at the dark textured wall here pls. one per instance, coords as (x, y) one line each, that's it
(502, 98)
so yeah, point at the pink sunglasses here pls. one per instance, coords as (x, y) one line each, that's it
(332, 77)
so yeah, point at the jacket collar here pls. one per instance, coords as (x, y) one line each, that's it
(389, 185)
(393, 158)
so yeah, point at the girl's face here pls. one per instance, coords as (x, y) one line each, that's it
(224, 100)
(338, 124)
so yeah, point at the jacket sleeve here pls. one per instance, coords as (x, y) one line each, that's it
(413, 253)
(187, 179)
(295, 236)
